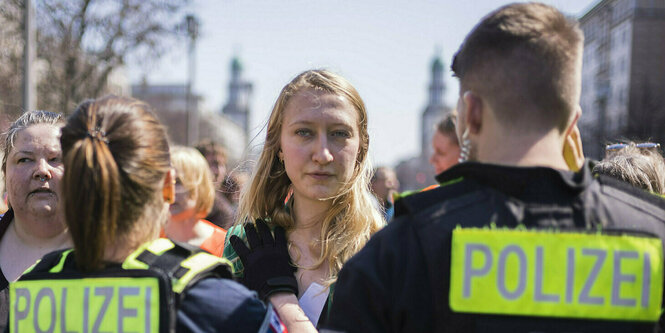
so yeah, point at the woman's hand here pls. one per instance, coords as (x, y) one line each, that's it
(267, 263)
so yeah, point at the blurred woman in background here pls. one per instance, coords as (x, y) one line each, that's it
(445, 147)
(194, 197)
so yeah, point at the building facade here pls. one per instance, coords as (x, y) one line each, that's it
(170, 104)
(623, 73)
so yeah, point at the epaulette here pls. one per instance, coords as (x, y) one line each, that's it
(645, 195)
(418, 201)
(183, 263)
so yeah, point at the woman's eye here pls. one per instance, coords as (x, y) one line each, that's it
(23, 160)
(55, 160)
(341, 134)
(303, 132)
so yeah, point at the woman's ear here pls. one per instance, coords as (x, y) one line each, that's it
(169, 186)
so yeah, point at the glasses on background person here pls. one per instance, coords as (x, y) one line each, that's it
(615, 147)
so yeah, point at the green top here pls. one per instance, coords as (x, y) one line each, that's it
(238, 269)
(230, 254)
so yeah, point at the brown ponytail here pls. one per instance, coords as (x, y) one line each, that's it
(116, 155)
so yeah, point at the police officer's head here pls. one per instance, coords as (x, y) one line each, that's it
(520, 76)
(118, 178)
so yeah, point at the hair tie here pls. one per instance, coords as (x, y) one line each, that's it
(98, 134)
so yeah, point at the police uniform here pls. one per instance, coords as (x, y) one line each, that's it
(510, 249)
(161, 287)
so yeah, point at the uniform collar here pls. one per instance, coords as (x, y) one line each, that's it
(518, 181)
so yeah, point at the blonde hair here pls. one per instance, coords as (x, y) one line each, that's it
(193, 172)
(643, 168)
(352, 219)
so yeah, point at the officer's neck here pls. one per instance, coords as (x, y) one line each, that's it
(521, 149)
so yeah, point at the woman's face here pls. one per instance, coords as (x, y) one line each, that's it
(445, 152)
(184, 207)
(319, 143)
(34, 171)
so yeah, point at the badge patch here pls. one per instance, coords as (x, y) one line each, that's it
(556, 274)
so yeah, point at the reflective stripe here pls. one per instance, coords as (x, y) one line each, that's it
(157, 247)
(85, 305)
(193, 265)
(556, 274)
(197, 264)
(61, 263)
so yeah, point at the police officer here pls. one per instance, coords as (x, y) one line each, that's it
(512, 241)
(118, 183)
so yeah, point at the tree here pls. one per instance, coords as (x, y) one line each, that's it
(11, 62)
(81, 42)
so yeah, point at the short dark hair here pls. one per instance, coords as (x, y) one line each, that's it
(535, 50)
(208, 147)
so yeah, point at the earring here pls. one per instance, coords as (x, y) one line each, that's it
(465, 149)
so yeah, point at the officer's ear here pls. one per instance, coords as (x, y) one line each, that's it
(473, 106)
(169, 186)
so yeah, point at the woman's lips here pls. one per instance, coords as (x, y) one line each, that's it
(41, 191)
(320, 175)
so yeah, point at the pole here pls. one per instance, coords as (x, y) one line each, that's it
(29, 96)
(192, 111)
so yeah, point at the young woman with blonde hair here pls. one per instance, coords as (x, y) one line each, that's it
(315, 160)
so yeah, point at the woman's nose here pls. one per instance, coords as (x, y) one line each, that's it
(42, 171)
(322, 154)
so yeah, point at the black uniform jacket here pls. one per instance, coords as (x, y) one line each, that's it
(400, 281)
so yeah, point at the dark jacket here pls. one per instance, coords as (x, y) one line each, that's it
(400, 281)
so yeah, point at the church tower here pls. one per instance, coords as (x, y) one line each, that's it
(237, 105)
(435, 107)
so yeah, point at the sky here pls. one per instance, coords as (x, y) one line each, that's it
(383, 47)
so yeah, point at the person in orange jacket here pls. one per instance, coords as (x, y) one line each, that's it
(194, 198)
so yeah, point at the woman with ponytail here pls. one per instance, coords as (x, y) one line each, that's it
(315, 159)
(118, 183)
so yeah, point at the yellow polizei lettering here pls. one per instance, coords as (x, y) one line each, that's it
(556, 274)
(85, 305)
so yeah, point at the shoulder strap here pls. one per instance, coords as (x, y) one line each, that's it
(183, 263)
(52, 262)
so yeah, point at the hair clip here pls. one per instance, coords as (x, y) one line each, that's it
(98, 134)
